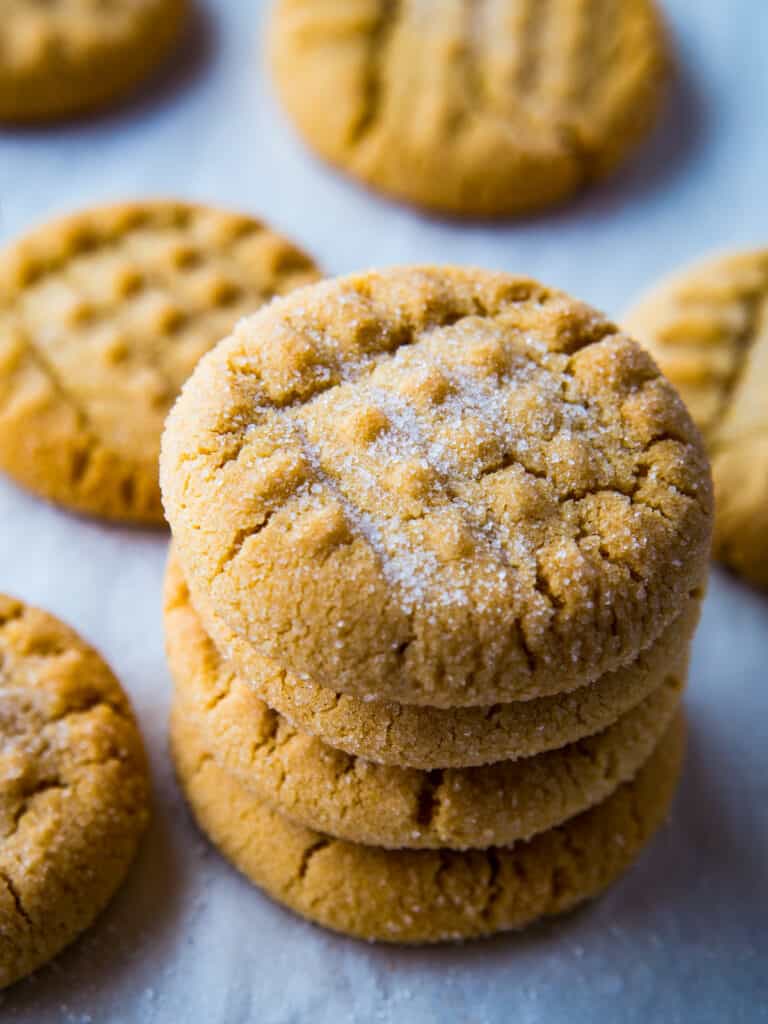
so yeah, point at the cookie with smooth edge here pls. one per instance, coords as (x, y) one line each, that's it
(421, 737)
(59, 58)
(74, 790)
(488, 109)
(437, 486)
(384, 805)
(707, 327)
(421, 896)
(103, 316)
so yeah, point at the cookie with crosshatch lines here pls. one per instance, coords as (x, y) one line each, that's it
(410, 736)
(58, 58)
(486, 109)
(418, 896)
(437, 486)
(103, 316)
(74, 790)
(707, 327)
(390, 806)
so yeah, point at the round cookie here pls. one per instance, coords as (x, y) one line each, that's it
(103, 315)
(74, 790)
(437, 486)
(419, 896)
(410, 736)
(708, 329)
(345, 796)
(480, 110)
(58, 58)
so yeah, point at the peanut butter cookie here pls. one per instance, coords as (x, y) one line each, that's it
(708, 329)
(103, 315)
(469, 108)
(437, 486)
(388, 806)
(420, 896)
(74, 789)
(410, 736)
(60, 58)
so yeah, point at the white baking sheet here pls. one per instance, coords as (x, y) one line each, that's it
(685, 936)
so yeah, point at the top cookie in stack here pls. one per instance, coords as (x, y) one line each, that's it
(439, 487)
(437, 518)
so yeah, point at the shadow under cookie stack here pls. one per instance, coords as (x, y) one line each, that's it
(439, 544)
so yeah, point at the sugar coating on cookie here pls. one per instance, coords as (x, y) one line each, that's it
(420, 896)
(74, 789)
(411, 736)
(437, 486)
(61, 58)
(103, 316)
(392, 806)
(467, 108)
(708, 329)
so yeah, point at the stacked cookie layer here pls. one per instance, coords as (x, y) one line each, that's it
(440, 536)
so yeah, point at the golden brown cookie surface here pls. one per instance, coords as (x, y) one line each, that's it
(103, 315)
(422, 737)
(388, 806)
(65, 57)
(437, 486)
(422, 896)
(708, 329)
(74, 789)
(470, 108)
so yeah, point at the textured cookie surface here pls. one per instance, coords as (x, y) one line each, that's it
(708, 330)
(103, 316)
(411, 736)
(437, 486)
(349, 797)
(426, 895)
(73, 787)
(64, 57)
(470, 108)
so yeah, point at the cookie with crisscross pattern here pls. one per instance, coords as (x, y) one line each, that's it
(473, 107)
(103, 316)
(437, 486)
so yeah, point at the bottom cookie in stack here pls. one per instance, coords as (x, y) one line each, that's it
(270, 795)
(420, 896)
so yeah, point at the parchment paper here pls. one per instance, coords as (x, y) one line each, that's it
(685, 936)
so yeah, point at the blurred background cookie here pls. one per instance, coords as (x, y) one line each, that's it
(707, 327)
(469, 109)
(60, 58)
(103, 315)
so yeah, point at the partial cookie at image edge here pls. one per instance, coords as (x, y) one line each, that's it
(74, 787)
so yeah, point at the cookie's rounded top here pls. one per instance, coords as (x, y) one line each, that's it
(438, 486)
(474, 109)
(103, 316)
(60, 58)
(73, 787)
(708, 329)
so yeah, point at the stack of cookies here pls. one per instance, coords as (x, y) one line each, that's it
(440, 537)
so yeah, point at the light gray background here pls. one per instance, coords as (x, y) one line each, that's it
(685, 936)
